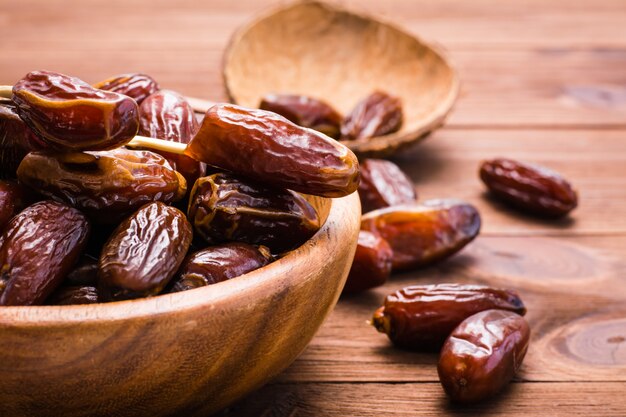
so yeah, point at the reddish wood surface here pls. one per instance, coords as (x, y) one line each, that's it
(542, 81)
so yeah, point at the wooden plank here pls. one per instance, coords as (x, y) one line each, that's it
(574, 290)
(427, 399)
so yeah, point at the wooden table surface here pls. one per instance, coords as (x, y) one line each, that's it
(543, 81)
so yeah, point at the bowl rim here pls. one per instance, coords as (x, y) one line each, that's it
(383, 145)
(264, 280)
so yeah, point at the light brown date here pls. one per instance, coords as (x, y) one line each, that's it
(143, 253)
(425, 233)
(421, 317)
(383, 184)
(106, 185)
(376, 115)
(531, 188)
(224, 207)
(38, 247)
(219, 263)
(371, 266)
(268, 148)
(136, 86)
(305, 111)
(482, 355)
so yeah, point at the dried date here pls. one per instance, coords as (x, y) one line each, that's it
(106, 185)
(38, 247)
(482, 355)
(371, 266)
(531, 188)
(219, 263)
(71, 115)
(305, 111)
(376, 115)
(223, 207)
(16, 139)
(167, 115)
(13, 199)
(84, 274)
(421, 317)
(268, 148)
(383, 184)
(134, 85)
(73, 295)
(424, 233)
(144, 253)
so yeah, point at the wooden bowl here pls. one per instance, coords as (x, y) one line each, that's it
(182, 354)
(339, 56)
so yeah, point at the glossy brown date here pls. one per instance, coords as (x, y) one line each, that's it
(134, 85)
(72, 115)
(84, 274)
(143, 253)
(38, 248)
(223, 208)
(305, 111)
(421, 317)
(376, 115)
(425, 233)
(219, 263)
(270, 149)
(13, 199)
(371, 266)
(167, 115)
(482, 355)
(73, 295)
(531, 188)
(106, 185)
(383, 184)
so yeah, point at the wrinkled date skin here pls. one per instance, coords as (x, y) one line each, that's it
(383, 184)
(425, 233)
(531, 188)
(305, 111)
(378, 114)
(224, 208)
(167, 115)
(71, 115)
(16, 139)
(106, 185)
(38, 248)
(13, 199)
(482, 355)
(134, 85)
(144, 253)
(270, 149)
(73, 295)
(371, 266)
(421, 317)
(219, 263)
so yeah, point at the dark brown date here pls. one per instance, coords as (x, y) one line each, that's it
(13, 199)
(106, 185)
(482, 355)
(219, 263)
(16, 139)
(144, 253)
(376, 115)
(223, 208)
(529, 187)
(305, 111)
(71, 115)
(371, 266)
(270, 149)
(84, 274)
(383, 184)
(135, 86)
(421, 317)
(425, 233)
(167, 115)
(38, 248)
(73, 296)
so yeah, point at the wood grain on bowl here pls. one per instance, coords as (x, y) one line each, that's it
(339, 56)
(184, 354)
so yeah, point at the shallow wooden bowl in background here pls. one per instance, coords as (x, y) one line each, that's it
(182, 354)
(339, 56)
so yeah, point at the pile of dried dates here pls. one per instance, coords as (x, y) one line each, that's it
(87, 219)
